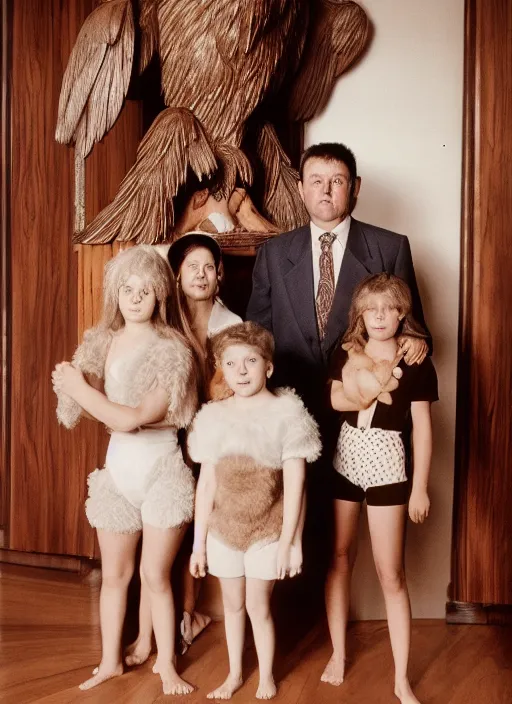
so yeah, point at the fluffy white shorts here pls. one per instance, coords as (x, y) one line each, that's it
(258, 562)
(144, 481)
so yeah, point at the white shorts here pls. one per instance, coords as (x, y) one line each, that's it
(258, 562)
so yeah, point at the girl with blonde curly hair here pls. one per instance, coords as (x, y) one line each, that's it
(136, 374)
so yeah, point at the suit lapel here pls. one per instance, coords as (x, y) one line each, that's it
(299, 285)
(359, 260)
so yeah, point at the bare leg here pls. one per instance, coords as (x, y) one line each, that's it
(159, 549)
(337, 586)
(387, 531)
(233, 599)
(258, 593)
(117, 563)
(140, 650)
(193, 621)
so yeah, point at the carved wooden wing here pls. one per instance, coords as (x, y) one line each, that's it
(219, 57)
(97, 76)
(143, 209)
(338, 35)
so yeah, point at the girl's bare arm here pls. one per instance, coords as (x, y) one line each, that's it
(294, 475)
(151, 409)
(419, 503)
(205, 495)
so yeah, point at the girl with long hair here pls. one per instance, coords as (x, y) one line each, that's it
(142, 387)
(371, 463)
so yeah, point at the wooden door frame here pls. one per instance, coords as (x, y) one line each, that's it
(5, 307)
(470, 603)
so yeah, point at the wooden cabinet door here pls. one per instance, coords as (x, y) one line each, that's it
(45, 466)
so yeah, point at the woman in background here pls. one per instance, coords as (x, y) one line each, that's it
(196, 261)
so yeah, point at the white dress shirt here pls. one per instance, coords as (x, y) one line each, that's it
(221, 317)
(338, 248)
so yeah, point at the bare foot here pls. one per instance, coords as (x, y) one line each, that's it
(171, 681)
(266, 689)
(137, 652)
(191, 626)
(102, 674)
(334, 672)
(227, 688)
(404, 693)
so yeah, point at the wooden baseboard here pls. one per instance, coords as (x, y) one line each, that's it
(66, 563)
(463, 612)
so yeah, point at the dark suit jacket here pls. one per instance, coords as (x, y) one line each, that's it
(283, 299)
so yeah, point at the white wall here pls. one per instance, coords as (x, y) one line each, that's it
(400, 111)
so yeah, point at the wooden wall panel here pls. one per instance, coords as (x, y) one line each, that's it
(49, 464)
(5, 319)
(482, 535)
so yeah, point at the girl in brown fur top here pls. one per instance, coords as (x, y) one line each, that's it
(147, 372)
(253, 448)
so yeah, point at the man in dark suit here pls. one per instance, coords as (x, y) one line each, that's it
(287, 274)
(302, 288)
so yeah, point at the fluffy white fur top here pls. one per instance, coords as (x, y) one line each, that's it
(270, 433)
(167, 362)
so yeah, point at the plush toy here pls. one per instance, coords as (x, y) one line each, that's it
(366, 380)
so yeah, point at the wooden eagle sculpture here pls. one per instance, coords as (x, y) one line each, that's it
(226, 66)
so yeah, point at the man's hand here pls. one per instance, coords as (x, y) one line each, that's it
(415, 349)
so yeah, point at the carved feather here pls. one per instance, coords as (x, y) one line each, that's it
(97, 76)
(282, 203)
(224, 57)
(148, 22)
(234, 164)
(338, 35)
(143, 207)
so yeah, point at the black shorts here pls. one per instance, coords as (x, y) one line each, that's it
(385, 495)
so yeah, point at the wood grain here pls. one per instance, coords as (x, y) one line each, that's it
(482, 529)
(49, 464)
(50, 642)
(5, 268)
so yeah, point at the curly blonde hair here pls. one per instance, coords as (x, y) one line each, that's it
(248, 333)
(153, 269)
(399, 294)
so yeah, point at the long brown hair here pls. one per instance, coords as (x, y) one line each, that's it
(400, 295)
(203, 361)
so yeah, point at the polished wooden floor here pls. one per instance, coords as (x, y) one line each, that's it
(49, 643)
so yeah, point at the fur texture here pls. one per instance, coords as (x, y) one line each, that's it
(106, 508)
(169, 501)
(170, 498)
(368, 380)
(90, 358)
(248, 503)
(168, 361)
(248, 450)
(269, 434)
